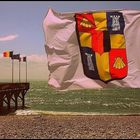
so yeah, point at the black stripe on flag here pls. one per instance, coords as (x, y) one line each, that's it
(106, 41)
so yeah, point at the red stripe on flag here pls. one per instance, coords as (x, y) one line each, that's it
(97, 41)
(5, 54)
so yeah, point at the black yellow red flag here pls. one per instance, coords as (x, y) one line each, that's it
(8, 54)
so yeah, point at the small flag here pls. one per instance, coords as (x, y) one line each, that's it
(16, 56)
(8, 54)
(24, 59)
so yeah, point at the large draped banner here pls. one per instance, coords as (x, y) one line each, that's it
(93, 49)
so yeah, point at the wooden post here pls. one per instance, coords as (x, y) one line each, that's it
(1, 102)
(16, 95)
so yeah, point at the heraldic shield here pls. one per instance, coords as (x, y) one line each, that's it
(102, 45)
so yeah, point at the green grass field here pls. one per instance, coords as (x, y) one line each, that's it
(108, 100)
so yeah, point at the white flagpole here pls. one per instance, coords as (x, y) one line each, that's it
(26, 71)
(12, 70)
(19, 70)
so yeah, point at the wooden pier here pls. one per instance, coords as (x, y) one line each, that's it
(12, 92)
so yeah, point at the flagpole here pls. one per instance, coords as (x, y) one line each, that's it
(19, 70)
(26, 71)
(12, 69)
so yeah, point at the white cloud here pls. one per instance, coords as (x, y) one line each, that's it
(8, 37)
(37, 58)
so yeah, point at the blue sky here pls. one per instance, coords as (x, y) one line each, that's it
(22, 21)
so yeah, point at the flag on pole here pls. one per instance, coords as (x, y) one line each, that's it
(23, 59)
(8, 54)
(95, 49)
(16, 56)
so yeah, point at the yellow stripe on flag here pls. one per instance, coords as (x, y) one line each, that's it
(6, 54)
(100, 21)
(85, 40)
(117, 41)
(102, 62)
